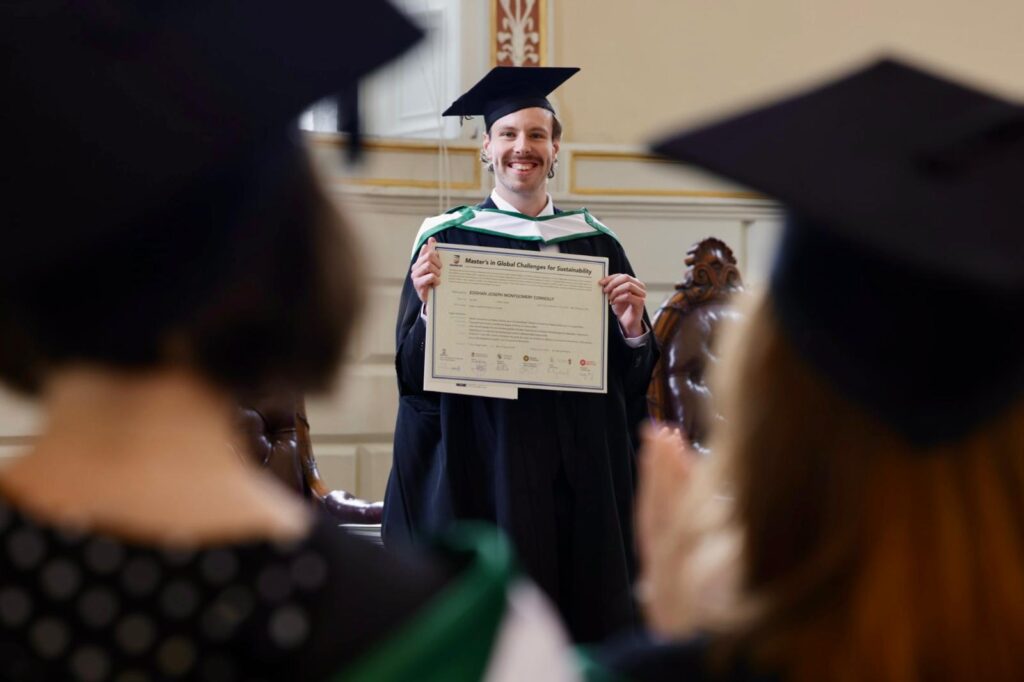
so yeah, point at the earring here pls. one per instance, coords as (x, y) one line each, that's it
(551, 171)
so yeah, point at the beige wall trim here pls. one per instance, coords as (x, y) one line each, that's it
(409, 183)
(421, 204)
(648, 161)
(465, 154)
(611, 155)
(397, 165)
(652, 192)
(386, 144)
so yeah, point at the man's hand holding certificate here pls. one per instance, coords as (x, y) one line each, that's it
(502, 319)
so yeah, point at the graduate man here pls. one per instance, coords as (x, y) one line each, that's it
(555, 470)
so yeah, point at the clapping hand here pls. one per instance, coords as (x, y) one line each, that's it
(666, 469)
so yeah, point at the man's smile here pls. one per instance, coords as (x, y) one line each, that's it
(523, 165)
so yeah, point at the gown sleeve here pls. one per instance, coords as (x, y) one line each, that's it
(639, 362)
(410, 337)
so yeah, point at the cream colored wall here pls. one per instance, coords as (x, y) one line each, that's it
(19, 422)
(652, 65)
(658, 64)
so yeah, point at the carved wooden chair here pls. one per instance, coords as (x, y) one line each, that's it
(276, 433)
(685, 326)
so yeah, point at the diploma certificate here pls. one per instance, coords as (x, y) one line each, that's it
(504, 319)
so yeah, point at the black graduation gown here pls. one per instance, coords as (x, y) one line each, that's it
(555, 470)
(640, 657)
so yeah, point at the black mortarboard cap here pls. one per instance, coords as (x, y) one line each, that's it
(900, 273)
(151, 154)
(117, 107)
(506, 89)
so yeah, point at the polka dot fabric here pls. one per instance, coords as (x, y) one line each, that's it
(88, 606)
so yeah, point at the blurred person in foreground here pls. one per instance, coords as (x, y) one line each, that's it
(167, 247)
(863, 517)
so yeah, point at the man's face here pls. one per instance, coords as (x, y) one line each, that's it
(522, 150)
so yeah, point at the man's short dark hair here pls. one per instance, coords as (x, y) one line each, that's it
(556, 128)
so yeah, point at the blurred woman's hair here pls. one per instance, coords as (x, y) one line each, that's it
(249, 278)
(823, 544)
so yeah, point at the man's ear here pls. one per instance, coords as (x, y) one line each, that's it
(485, 155)
(555, 143)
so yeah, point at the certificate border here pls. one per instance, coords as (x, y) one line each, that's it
(525, 384)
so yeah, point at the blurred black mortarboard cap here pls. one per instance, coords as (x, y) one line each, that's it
(114, 108)
(506, 89)
(900, 274)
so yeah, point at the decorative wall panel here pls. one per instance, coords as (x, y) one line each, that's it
(519, 32)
